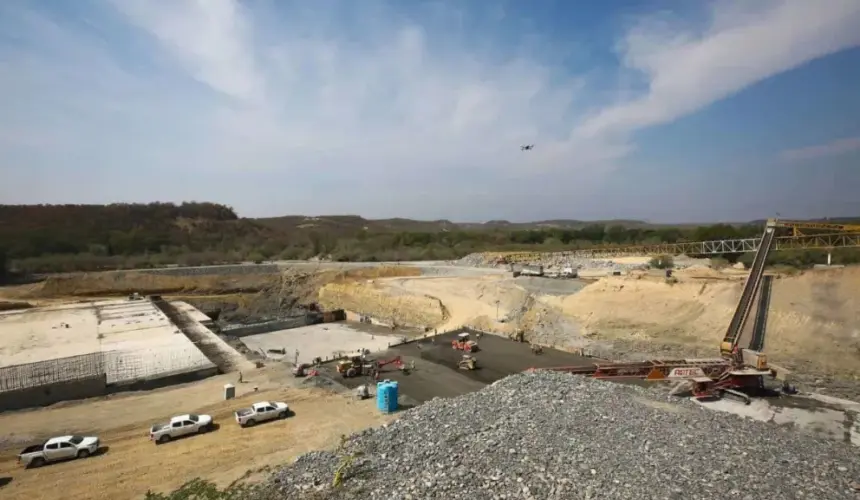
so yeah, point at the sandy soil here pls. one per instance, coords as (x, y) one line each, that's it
(133, 464)
(812, 323)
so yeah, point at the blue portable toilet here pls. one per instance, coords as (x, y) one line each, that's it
(386, 396)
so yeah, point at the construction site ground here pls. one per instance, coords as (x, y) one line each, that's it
(436, 373)
(131, 464)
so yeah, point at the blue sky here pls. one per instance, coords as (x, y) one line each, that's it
(664, 110)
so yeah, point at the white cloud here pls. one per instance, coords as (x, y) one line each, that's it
(833, 148)
(383, 100)
(746, 42)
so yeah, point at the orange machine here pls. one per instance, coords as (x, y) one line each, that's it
(462, 343)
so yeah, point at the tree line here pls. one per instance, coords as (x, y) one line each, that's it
(65, 238)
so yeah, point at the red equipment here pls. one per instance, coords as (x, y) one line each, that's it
(462, 343)
(710, 378)
(397, 362)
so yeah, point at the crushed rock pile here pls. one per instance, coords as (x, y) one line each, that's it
(555, 436)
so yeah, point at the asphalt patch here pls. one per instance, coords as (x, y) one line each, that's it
(436, 374)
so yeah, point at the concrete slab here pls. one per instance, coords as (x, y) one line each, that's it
(191, 311)
(323, 340)
(136, 339)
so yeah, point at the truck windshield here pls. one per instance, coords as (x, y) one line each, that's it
(194, 418)
(76, 440)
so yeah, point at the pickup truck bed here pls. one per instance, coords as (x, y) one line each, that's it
(31, 449)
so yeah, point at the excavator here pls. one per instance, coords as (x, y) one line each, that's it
(738, 370)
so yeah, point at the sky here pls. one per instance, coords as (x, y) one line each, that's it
(660, 110)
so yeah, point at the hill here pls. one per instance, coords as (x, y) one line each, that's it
(57, 238)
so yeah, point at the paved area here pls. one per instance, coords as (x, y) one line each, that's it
(436, 373)
(323, 340)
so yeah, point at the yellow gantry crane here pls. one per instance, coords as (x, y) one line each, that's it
(797, 227)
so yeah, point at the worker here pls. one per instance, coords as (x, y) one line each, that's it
(240, 378)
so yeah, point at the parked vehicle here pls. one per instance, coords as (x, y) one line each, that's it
(261, 412)
(179, 426)
(58, 449)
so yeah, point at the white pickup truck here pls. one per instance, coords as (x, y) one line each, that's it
(181, 425)
(57, 449)
(260, 412)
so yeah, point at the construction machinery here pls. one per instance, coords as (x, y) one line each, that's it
(397, 362)
(468, 362)
(354, 366)
(463, 343)
(362, 392)
(739, 370)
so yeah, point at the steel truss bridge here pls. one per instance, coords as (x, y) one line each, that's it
(797, 241)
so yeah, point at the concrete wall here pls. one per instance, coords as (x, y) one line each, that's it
(155, 362)
(53, 393)
(268, 326)
(285, 324)
(163, 381)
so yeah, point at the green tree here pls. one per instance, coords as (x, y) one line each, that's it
(4, 265)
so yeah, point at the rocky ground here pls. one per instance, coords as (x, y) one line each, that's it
(556, 261)
(548, 435)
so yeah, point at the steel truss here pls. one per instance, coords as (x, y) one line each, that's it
(745, 245)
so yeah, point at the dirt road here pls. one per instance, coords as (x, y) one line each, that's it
(132, 464)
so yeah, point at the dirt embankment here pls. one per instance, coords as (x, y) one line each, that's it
(398, 308)
(119, 283)
(813, 323)
(241, 297)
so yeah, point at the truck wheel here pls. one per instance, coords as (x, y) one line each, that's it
(282, 415)
(37, 462)
(163, 439)
(83, 453)
(203, 429)
(251, 423)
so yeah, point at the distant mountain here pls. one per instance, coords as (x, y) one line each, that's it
(353, 222)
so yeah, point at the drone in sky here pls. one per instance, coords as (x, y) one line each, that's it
(527, 147)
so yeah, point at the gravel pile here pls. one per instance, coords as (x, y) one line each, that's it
(549, 435)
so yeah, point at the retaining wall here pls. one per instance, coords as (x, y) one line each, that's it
(285, 324)
(166, 380)
(266, 327)
(143, 364)
(49, 394)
